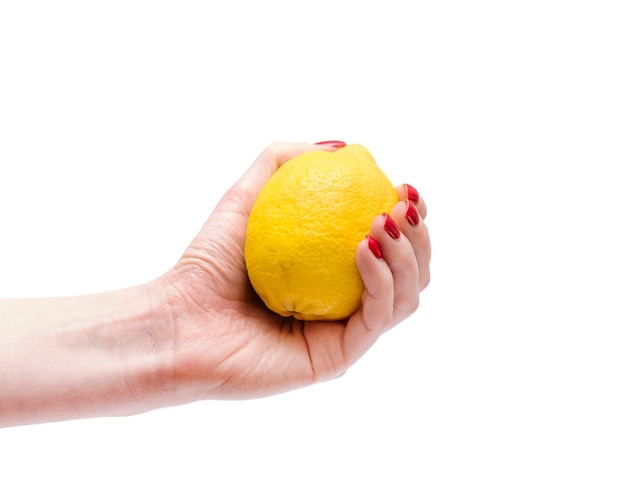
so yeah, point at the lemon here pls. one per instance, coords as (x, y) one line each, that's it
(304, 229)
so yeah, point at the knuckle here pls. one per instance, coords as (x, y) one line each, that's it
(274, 148)
(424, 280)
(413, 305)
(272, 151)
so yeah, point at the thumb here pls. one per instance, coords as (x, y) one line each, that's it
(221, 239)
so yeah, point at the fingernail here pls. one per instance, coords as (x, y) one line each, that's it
(412, 193)
(391, 227)
(337, 144)
(374, 247)
(411, 214)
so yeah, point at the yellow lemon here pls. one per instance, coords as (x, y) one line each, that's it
(304, 229)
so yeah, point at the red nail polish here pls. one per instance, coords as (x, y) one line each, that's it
(337, 144)
(374, 247)
(411, 214)
(391, 227)
(412, 193)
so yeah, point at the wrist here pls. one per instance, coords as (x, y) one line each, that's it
(147, 348)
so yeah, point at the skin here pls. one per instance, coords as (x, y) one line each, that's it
(198, 331)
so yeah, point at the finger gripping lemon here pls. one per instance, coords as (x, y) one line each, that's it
(304, 229)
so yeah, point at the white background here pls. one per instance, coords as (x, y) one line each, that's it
(123, 122)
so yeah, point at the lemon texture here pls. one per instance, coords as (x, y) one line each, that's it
(304, 229)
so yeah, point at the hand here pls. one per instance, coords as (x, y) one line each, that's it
(227, 344)
(199, 331)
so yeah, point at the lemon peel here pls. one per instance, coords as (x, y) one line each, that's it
(304, 229)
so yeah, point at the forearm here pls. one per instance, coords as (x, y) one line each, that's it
(76, 357)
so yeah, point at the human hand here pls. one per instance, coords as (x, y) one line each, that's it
(227, 344)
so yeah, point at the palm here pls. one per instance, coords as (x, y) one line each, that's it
(256, 348)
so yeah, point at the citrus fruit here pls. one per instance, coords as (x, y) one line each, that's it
(304, 229)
